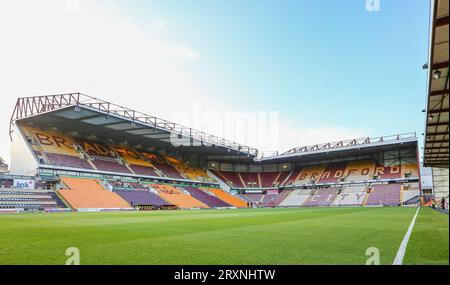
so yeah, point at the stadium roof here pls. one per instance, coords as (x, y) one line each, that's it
(82, 114)
(436, 145)
(341, 149)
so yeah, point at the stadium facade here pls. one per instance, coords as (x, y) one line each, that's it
(436, 135)
(90, 154)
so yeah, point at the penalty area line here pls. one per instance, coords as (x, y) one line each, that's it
(402, 249)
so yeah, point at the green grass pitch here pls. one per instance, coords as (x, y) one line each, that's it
(225, 237)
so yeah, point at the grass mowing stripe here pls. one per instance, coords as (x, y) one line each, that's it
(402, 249)
(225, 237)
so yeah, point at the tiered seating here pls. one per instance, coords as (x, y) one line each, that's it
(410, 170)
(110, 166)
(296, 198)
(351, 196)
(162, 166)
(192, 173)
(388, 172)
(386, 195)
(88, 193)
(176, 197)
(250, 179)
(11, 198)
(268, 179)
(169, 171)
(269, 200)
(96, 149)
(50, 141)
(254, 198)
(245, 198)
(231, 178)
(168, 189)
(141, 198)
(206, 198)
(308, 174)
(103, 157)
(321, 198)
(6, 183)
(264, 200)
(228, 198)
(67, 161)
(359, 171)
(333, 173)
(136, 162)
(284, 178)
(124, 185)
(144, 170)
(58, 149)
(280, 198)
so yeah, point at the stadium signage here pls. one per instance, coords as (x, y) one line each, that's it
(24, 184)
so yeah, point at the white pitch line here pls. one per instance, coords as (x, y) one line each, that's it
(402, 249)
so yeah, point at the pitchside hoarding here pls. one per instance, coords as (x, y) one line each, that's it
(24, 184)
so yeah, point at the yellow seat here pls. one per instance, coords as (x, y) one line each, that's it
(88, 193)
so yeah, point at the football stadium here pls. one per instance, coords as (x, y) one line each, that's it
(122, 187)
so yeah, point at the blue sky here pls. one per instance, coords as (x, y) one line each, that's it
(317, 61)
(331, 69)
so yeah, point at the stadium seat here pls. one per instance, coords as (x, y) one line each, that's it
(67, 161)
(285, 178)
(333, 173)
(359, 171)
(384, 195)
(269, 179)
(110, 166)
(410, 170)
(226, 197)
(264, 200)
(144, 170)
(231, 178)
(132, 157)
(307, 174)
(29, 199)
(50, 141)
(176, 197)
(388, 172)
(206, 198)
(295, 198)
(141, 198)
(89, 193)
(255, 199)
(410, 193)
(96, 149)
(165, 188)
(250, 179)
(55, 148)
(191, 173)
(321, 198)
(351, 196)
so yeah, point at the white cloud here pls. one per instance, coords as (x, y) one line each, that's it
(159, 23)
(266, 130)
(49, 49)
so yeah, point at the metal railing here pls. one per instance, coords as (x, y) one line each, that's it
(340, 144)
(31, 106)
